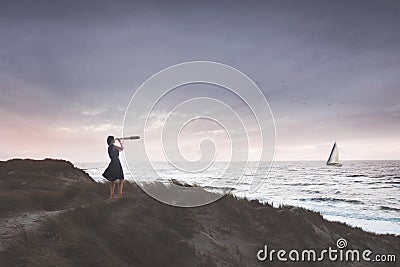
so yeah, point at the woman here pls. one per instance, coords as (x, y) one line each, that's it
(114, 170)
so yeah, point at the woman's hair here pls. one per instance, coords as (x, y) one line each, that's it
(110, 138)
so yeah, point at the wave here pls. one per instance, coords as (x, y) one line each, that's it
(378, 176)
(355, 175)
(304, 184)
(313, 191)
(223, 188)
(392, 182)
(389, 208)
(331, 199)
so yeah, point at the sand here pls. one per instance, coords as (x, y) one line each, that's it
(53, 214)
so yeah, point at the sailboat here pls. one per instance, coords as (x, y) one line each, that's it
(334, 157)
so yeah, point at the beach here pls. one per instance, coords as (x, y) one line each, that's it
(54, 214)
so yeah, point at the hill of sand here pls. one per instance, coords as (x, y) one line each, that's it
(53, 214)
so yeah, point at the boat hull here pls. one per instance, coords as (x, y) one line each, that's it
(334, 164)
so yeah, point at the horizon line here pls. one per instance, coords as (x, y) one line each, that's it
(163, 161)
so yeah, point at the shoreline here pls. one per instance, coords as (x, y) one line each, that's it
(72, 223)
(321, 203)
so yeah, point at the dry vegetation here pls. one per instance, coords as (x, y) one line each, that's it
(139, 231)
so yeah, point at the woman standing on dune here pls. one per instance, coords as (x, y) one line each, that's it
(114, 170)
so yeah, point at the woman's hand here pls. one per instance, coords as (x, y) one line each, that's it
(121, 148)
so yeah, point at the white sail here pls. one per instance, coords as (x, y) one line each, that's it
(334, 156)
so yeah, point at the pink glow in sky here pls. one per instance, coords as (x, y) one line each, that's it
(330, 70)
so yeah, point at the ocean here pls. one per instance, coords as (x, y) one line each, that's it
(365, 194)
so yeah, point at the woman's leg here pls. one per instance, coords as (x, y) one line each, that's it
(112, 187)
(120, 186)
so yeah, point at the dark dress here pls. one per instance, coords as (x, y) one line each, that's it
(114, 169)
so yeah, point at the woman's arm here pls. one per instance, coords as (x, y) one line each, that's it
(119, 148)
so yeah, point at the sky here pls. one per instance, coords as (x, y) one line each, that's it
(330, 71)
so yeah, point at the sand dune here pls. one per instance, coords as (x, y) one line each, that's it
(53, 214)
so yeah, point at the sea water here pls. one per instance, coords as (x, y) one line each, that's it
(360, 193)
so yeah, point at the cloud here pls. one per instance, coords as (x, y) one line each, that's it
(102, 127)
(395, 110)
(105, 127)
(329, 68)
(156, 120)
(93, 112)
(66, 129)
